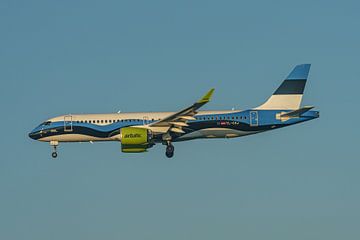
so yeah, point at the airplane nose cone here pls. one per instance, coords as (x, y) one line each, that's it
(33, 134)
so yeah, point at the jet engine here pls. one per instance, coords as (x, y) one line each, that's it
(135, 140)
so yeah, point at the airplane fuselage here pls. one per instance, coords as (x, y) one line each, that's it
(208, 124)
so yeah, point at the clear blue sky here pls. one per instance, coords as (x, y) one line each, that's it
(60, 57)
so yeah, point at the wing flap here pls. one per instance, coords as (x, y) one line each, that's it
(176, 130)
(181, 124)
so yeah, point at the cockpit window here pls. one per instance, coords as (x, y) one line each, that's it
(47, 123)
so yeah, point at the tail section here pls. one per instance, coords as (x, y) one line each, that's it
(290, 92)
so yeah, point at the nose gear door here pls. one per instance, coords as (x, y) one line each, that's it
(68, 127)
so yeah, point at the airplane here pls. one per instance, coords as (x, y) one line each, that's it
(139, 131)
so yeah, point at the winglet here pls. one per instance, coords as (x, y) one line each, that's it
(206, 98)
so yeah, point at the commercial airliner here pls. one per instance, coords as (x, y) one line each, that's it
(140, 131)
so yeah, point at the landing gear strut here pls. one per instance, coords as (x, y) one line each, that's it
(54, 144)
(169, 150)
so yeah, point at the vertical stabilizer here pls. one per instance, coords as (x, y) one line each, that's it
(290, 92)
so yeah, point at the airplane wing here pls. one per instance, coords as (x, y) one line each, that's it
(176, 121)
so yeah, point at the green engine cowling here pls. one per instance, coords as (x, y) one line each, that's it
(135, 140)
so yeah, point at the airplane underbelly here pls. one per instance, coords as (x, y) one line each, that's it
(215, 133)
(74, 138)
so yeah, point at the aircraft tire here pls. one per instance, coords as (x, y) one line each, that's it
(169, 154)
(170, 151)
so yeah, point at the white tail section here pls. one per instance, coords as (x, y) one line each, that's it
(286, 102)
(289, 95)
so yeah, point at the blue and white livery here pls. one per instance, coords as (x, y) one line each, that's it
(139, 131)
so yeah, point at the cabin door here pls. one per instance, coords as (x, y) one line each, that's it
(254, 119)
(68, 127)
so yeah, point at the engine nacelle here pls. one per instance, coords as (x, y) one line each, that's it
(134, 140)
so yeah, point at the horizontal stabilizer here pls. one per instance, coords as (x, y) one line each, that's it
(296, 113)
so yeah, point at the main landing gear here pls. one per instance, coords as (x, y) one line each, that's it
(169, 150)
(54, 144)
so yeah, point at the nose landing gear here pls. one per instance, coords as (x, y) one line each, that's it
(54, 144)
(169, 150)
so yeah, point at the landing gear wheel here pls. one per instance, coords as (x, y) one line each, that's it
(54, 144)
(169, 151)
(169, 154)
